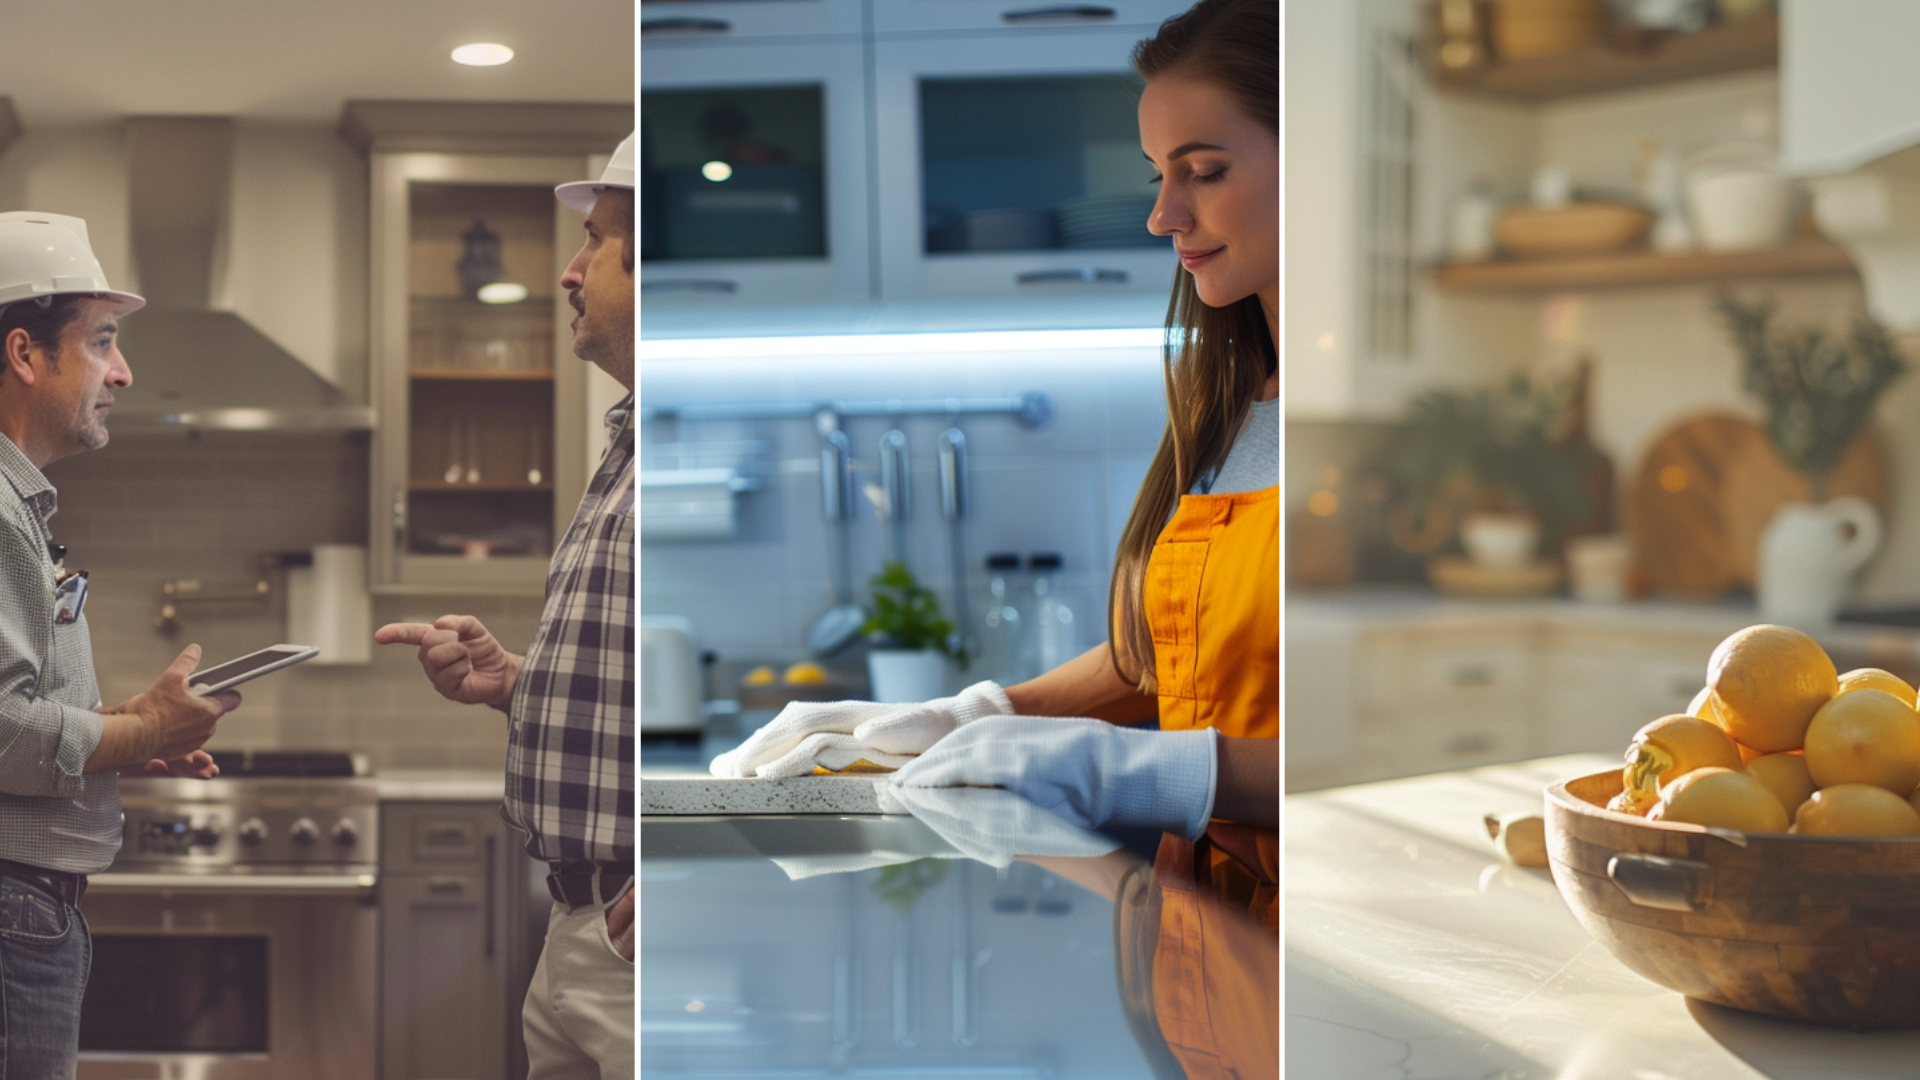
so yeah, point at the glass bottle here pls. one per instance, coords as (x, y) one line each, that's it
(1001, 624)
(1054, 637)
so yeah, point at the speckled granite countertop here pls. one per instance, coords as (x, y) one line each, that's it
(441, 785)
(696, 794)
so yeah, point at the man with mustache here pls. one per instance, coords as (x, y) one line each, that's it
(569, 699)
(59, 795)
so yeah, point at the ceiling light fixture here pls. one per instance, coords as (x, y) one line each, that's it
(482, 54)
(502, 292)
(716, 171)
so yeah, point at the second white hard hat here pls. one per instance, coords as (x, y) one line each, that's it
(48, 255)
(581, 194)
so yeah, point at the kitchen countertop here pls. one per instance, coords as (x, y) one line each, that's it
(441, 785)
(1414, 953)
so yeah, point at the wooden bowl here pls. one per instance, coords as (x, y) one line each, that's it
(1456, 576)
(1817, 928)
(1575, 229)
(1532, 29)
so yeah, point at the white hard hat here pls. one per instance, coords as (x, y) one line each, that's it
(581, 194)
(48, 255)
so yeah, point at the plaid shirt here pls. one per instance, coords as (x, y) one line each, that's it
(570, 744)
(51, 815)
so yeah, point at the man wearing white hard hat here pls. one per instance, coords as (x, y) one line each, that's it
(569, 699)
(60, 751)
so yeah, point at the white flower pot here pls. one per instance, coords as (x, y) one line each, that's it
(1807, 556)
(906, 675)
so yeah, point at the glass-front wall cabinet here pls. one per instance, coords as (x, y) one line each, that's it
(479, 394)
(752, 183)
(1025, 176)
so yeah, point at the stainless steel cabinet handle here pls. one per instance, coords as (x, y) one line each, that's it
(1472, 675)
(1067, 12)
(399, 518)
(692, 285)
(1474, 743)
(1094, 274)
(446, 885)
(265, 884)
(684, 26)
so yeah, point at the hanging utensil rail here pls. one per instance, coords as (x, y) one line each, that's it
(1029, 410)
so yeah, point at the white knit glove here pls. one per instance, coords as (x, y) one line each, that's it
(911, 729)
(1087, 771)
(898, 729)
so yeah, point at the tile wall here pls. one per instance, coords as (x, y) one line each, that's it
(150, 509)
(1065, 487)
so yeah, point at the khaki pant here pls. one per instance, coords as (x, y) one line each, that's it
(579, 1010)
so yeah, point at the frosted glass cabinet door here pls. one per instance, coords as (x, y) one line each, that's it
(733, 20)
(753, 188)
(1014, 168)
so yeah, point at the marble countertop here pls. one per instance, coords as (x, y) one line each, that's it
(1414, 953)
(703, 794)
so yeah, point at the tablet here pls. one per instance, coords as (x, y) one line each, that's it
(251, 666)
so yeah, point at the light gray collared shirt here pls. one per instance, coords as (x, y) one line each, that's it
(52, 815)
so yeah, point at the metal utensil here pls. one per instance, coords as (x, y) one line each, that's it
(894, 480)
(838, 626)
(953, 507)
(473, 455)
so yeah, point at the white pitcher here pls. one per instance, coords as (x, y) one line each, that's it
(1807, 555)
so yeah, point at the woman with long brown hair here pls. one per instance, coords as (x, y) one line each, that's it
(1195, 591)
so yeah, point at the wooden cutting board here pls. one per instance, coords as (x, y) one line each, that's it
(1705, 491)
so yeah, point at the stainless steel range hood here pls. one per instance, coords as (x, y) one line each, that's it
(196, 367)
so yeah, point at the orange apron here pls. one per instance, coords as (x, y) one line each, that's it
(1213, 603)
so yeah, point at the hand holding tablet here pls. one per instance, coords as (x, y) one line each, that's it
(251, 666)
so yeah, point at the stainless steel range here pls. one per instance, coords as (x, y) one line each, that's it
(236, 935)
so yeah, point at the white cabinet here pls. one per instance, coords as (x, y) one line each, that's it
(1449, 697)
(754, 184)
(662, 21)
(1017, 16)
(959, 119)
(1600, 686)
(1849, 89)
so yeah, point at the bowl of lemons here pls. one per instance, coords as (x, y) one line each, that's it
(1762, 850)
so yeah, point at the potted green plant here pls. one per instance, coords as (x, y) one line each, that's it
(911, 641)
(1495, 459)
(1820, 391)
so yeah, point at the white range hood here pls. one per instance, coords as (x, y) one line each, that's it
(1850, 127)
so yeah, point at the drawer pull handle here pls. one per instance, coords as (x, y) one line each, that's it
(1067, 12)
(684, 26)
(1476, 743)
(449, 834)
(1094, 274)
(1473, 675)
(691, 285)
(446, 885)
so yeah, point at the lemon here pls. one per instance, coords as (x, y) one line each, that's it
(1767, 683)
(1671, 747)
(806, 673)
(1786, 776)
(1865, 737)
(760, 676)
(1872, 678)
(1857, 810)
(1722, 798)
(1704, 707)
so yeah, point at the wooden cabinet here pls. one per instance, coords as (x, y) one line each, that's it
(454, 951)
(479, 454)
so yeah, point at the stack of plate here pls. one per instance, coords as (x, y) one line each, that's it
(1107, 221)
(1009, 230)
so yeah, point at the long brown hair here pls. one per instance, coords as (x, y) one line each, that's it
(1216, 359)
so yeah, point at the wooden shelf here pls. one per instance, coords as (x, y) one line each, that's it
(1628, 269)
(481, 489)
(482, 374)
(1750, 45)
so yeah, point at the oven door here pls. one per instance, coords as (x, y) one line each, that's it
(230, 977)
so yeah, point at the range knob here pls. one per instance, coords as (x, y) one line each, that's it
(206, 836)
(304, 831)
(253, 831)
(345, 833)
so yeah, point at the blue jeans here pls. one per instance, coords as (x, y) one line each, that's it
(45, 952)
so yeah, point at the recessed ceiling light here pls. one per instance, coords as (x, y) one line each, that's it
(482, 54)
(502, 292)
(716, 171)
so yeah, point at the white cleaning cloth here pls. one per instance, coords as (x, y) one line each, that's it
(992, 825)
(826, 751)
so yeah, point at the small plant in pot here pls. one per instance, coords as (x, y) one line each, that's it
(1494, 459)
(911, 641)
(1820, 391)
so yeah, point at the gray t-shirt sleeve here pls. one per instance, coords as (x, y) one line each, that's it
(1253, 462)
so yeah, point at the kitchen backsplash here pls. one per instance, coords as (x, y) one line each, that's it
(1065, 487)
(148, 510)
